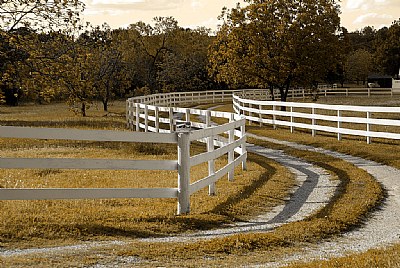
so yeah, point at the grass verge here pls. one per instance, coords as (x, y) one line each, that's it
(358, 194)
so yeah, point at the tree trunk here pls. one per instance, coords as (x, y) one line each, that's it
(271, 90)
(284, 92)
(105, 105)
(83, 109)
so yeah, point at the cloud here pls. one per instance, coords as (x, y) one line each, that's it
(116, 2)
(135, 4)
(196, 4)
(374, 19)
(368, 4)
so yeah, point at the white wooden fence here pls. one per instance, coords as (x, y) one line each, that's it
(377, 122)
(295, 93)
(204, 132)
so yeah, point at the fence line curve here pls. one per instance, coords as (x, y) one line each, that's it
(366, 121)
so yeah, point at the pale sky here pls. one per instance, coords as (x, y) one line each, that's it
(356, 14)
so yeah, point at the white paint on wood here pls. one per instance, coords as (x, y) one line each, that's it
(99, 164)
(86, 193)
(84, 135)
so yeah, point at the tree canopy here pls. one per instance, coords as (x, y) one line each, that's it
(47, 53)
(276, 43)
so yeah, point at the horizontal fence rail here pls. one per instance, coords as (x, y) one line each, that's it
(100, 164)
(161, 124)
(367, 121)
(295, 93)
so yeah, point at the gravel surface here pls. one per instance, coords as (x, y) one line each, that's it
(381, 229)
(313, 190)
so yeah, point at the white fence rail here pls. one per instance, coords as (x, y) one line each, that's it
(263, 94)
(367, 121)
(204, 132)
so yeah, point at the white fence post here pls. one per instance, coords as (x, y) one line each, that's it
(137, 111)
(250, 113)
(291, 120)
(187, 115)
(314, 122)
(339, 125)
(171, 119)
(157, 115)
(183, 173)
(243, 133)
(128, 115)
(210, 148)
(273, 116)
(368, 128)
(260, 115)
(146, 118)
(231, 137)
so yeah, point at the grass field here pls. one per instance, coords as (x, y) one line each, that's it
(264, 185)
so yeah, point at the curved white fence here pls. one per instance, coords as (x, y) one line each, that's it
(150, 118)
(367, 121)
(163, 123)
(144, 115)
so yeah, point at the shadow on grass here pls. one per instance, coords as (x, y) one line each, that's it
(248, 191)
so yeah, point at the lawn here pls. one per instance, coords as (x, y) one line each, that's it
(40, 223)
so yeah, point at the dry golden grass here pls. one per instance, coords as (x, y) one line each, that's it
(28, 223)
(388, 258)
(358, 194)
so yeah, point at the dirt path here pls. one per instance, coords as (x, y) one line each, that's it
(381, 229)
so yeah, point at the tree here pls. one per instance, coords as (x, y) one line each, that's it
(109, 73)
(20, 22)
(276, 43)
(154, 41)
(12, 67)
(359, 65)
(363, 39)
(388, 49)
(39, 14)
(184, 66)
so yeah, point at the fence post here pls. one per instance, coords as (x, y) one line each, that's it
(171, 119)
(273, 116)
(368, 128)
(183, 173)
(137, 110)
(291, 120)
(250, 113)
(187, 115)
(231, 155)
(242, 134)
(314, 122)
(260, 115)
(157, 115)
(339, 125)
(210, 148)
(146, 118)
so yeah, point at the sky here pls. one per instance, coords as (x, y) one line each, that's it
(356, 14)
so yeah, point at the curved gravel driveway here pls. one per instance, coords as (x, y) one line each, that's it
(381, 229)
